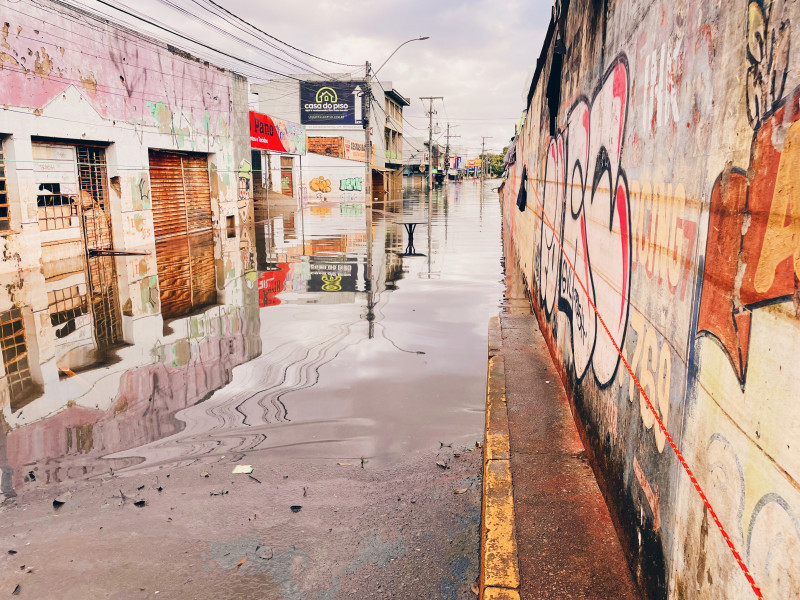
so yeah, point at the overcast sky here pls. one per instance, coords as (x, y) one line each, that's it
(480, 55)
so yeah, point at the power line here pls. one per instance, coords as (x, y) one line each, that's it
(228, 34)
(189, 39)
(279, 40)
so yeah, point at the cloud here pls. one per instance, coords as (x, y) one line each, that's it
(479, 56)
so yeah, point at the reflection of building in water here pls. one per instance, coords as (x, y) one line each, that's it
(115, 225)
(84, 311)
(186, 278)
(17, 377)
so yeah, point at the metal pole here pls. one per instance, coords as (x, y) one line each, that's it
(430, 100)
(367, 104)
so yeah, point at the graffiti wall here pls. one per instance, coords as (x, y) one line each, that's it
(653, 211)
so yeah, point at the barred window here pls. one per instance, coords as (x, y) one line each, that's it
(5, 219)
(55, 209)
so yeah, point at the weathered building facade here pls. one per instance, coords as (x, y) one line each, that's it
(125, 215)
(660, 230)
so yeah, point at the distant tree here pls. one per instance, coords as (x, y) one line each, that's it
(496, 163)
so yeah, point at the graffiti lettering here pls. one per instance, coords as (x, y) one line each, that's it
(662, 235)
(653, 368)
(754, 226)
(660, 87)
(585, 198)
(350, 184)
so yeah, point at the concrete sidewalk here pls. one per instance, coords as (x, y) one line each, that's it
(566, 544)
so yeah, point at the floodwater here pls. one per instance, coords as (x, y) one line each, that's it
(342, 339)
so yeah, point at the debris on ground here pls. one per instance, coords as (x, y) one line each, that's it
(461, 491)
(296, 508)
(242, 469)
(264, 553)
(305, 492)
(12, 551)
(16, 590)
(140, 488)
(203, 474)
(475, 588)
(343, 464)
(241, 562)
(61, 500)
(140, 503)
(218, 493)
(442, 464)
(363, 462)
(254, 479)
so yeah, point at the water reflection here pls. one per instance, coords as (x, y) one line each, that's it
(327, 339)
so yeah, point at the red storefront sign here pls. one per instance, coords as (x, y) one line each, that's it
(263, 133)
(267, 133)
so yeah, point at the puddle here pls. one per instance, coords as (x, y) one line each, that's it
(329, 332)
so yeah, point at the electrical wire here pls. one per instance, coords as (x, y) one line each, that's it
(192, 40)
(279, 40)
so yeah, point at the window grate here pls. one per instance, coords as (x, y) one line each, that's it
(92, 178)
(55, 209)
(5, 217)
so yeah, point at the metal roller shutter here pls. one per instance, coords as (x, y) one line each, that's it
(198, 193)
(181, 195)
(168, 195)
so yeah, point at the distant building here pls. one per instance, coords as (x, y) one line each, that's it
(331, 108)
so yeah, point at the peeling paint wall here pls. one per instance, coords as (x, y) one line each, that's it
(660, 153)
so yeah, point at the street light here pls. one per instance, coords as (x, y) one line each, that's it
(417, 39)
(368, 105)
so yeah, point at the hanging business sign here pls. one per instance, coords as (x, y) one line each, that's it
(331, 102)
(267, 133)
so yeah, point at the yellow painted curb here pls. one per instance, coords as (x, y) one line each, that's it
(500, 594)
(499, 561)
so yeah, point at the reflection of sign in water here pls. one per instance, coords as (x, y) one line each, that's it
(270, 284)
(331, 275)
(331, 283)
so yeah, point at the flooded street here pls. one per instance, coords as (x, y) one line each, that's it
(342, 361)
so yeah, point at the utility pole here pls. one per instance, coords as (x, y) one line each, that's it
(447, 155)
(430, 100)
(483, 156)
(367, 108)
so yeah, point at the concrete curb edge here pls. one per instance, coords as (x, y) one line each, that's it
(499, 578)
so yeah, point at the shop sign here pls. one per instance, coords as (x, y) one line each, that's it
(331, 102)
(277, 135)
